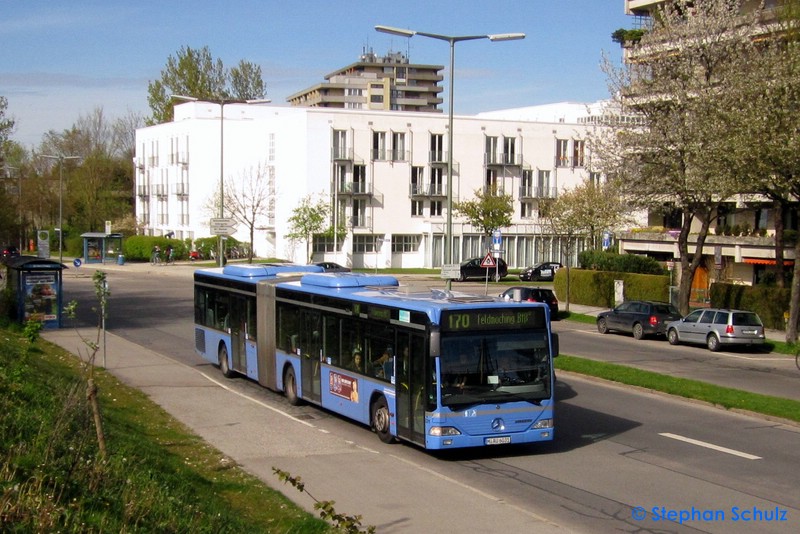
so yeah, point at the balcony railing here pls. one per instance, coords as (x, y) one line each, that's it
(400, 155)
(360, 221)
(143, 191)
(356, 188)
(378, 154)
(181, 189)
(530, 191)
(438, 157)
(502, 158)
(427, 190)
(340, 153)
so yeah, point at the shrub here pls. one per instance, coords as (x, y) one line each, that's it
(596, 288)
(600, 260)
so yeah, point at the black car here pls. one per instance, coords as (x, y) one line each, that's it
(330, 267)
(10, 251)
(472, 269)
(545, 271)
(533, 294)
(639, 317)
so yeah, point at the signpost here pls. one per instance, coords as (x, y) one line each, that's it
(225, 227)
(451, 271)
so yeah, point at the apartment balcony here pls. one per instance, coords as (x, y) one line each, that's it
(741, 249)
(356, 189)
(400, 155)
(180, 190)
(360, 222)
(502, 159)
(437, 157)
(342, 154)
(160, 190)
(379, 154)
(424, 191)
(530, 192)
(143, 191)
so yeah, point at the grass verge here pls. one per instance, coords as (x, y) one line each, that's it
(157, 477)
(728, 398)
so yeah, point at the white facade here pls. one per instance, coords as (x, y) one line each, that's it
(387, 172)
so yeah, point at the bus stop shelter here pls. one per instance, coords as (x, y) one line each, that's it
(99, 246)
(36, 289)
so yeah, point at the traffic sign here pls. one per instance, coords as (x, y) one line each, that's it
(222, 226)
(488, 261)
(451, 271)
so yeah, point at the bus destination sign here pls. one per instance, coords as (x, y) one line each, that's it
(497, 319)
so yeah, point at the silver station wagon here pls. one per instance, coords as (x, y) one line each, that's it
(715, 328)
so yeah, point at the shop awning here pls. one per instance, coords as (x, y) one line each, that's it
(766, 261)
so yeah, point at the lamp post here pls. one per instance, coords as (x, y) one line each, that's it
(448, 244)
(60, 159)
(221, 103)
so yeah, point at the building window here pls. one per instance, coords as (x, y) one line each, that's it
(562, 152)
(379, 146)
(492, 184)
(526, 184)
(417, 177)
(340, 144)
(405, 243)
(437, 154)
(578, 150)
(543, 184)
(491, 150)
(437, 181)
(436, 208)
(416, 208)
(509, 151)
(526, 210)
(359, 178)
(364, 243)
(398, 146)
(325, 243)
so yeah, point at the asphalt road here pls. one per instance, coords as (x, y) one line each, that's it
(616, 448)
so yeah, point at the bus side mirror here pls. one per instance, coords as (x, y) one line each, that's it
(554, 343)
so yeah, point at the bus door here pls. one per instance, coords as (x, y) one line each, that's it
(410, 387)
(311, 346)
(238, 328)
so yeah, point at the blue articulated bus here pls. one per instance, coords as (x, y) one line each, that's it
(436, 368)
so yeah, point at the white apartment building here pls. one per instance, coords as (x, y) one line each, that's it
(385, 170)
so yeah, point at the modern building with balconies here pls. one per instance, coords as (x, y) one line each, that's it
(375, 82)
(383, 173)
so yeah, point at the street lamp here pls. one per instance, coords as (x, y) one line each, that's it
(60, 159)
(221, 102)
(448, 244)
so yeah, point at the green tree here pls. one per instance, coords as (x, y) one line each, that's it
(6, 128)
(308, 219)
(489, 211)
(194, 72)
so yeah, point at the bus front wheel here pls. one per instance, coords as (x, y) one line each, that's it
(222, 355)
(380, 420)
(290, 386)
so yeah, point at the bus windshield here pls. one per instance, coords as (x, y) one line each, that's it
(494, 367)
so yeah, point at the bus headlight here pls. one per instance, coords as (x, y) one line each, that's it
(544, 423)
(444, 431)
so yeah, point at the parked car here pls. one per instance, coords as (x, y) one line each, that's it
(715, 327)
(331, 267)
(9, 251)
(638, 317)
(545, 270)
(534, 294)
(472, 269)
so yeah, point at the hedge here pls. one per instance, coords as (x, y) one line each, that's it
(769, 302)
(596, 288)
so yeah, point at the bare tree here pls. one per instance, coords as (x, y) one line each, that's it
(677, 156)
(248, 200)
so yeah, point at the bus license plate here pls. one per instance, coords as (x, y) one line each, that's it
(500, 440)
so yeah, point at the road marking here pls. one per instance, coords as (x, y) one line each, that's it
(710, 446)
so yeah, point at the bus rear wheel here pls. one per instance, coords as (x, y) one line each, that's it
(290, 386)
(380, 420)
(222, 356)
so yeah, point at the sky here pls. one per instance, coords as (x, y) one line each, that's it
(60, 60)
